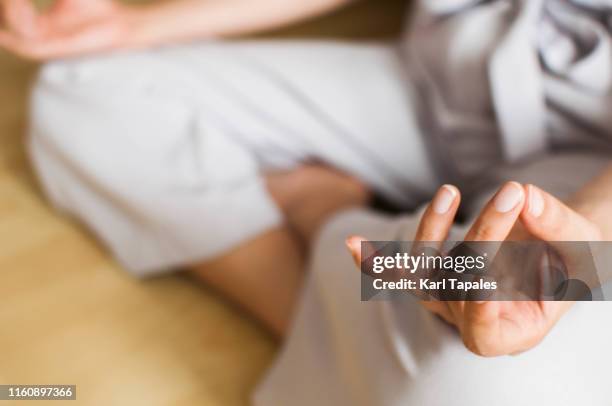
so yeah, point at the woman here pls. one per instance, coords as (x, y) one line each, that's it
(154, 150)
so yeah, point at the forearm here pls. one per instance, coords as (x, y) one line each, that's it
(594, 201)
(185, 20)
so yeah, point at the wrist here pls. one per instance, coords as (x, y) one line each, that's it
(139, 25)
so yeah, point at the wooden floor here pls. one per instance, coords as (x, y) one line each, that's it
(70, 315)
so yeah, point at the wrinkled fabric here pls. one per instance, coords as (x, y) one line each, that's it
(534, 74)
(163, 153)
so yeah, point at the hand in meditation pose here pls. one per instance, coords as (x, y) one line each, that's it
(516, 212)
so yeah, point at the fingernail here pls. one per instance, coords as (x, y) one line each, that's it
(508, 197)
(536, 201)
(354, 243)
(444, 199)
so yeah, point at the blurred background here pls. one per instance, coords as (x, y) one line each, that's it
(70, 315)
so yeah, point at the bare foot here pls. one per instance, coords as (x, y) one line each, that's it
(310, 194)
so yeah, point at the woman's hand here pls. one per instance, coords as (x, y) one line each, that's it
(68, 27)
(72, 27)
(499, 328)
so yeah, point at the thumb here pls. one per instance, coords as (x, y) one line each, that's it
(20, 17)
(353, 243)
(364, 253)
(548, 219)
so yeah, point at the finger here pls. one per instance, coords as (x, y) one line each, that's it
(59, 46)
(434, 228)
(495, 222)
(9, 42)
(364, 254)
(19, 46)
(438, 218)
(549, 219)
(499, 215)
(20, 17)
(354, 245)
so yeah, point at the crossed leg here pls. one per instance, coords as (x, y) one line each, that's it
(264, 275)
(166, 169)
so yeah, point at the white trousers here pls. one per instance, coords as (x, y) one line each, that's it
(161, 153)
(344, 352)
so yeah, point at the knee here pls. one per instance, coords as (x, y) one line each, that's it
(49, 127)
(71, 107)
(68, 121)
(54, 103)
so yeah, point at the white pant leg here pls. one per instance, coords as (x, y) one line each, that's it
(342, 351)
(160, 152)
